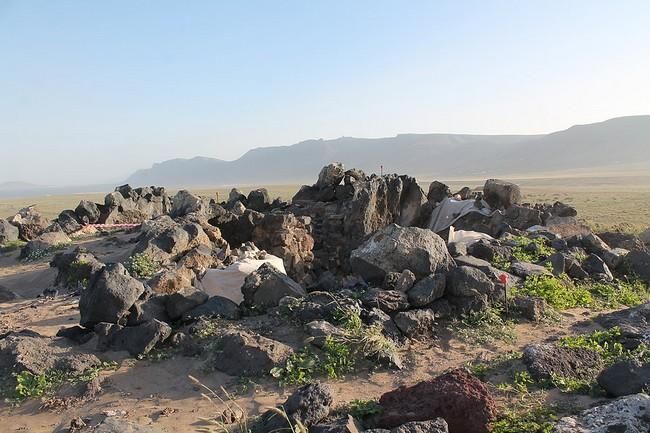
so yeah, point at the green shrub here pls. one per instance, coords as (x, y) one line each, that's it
(607, 343)
(537, 420)
(339, 359)
(558, 293)
(78, 273)
(29, 385)
(340, 354)
(618, 293)
(299, 368)
(12, 245)
(140, 265)
(531, 250)
(361, 409)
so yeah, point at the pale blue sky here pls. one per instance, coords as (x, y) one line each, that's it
(92, 90)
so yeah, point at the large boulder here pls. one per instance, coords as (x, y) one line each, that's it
(501, 194)
(438, 191)
(185, 204)
(545, 360)
(427, 290)
(43, 244)
(244, 354)
(171, 280)
(109, 296)
(75, 268)
(127, 205)
(259, 200)
(164, 241)
(451, 396)
(624, 378)
(469, 289)
(288, 237)
(28, 351)
(183, 301)
(238, 229)
(330, 176)
(523, 217)
(8, 232)
(68, 221)
(30, 222)
(265, 287)
(137, 340)
(87, 212)
(307, 406)
(395, 248)
(216, 306)
(343, 217)
(629, 414)
(639, 261)
(416, 323)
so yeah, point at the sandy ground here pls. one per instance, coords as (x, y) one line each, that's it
(160, 393)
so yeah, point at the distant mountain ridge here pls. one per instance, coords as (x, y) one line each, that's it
(621, 141)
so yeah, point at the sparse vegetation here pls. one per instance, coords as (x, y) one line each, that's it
(12, 245)
(340, 354)
(538, 419)
(233, 418)
(531, 250)
(483, 327)
(560, 293)
(618, 293)
(26, 385)
(484, 369)
(78, 274)
(141, 265)
(361, 409)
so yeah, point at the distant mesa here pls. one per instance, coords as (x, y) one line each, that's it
(619, 141)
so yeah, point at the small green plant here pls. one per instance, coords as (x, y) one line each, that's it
(207, 328)
(536, 420)
(618, 293)
(339, 359)
(78, 273)
(141, 265)
(483, 327)
(486, 368)
(12, 245)
(501, 262)
(560, 293)
(574, 386)
(607, 343)
(299, 368)
(361, 409)
(30, 385)
(531, 250)
(35, 255)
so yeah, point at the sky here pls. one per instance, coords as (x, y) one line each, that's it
(90, 91)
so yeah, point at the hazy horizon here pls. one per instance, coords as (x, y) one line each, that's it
(95, 91)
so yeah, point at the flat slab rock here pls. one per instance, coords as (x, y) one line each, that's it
(545, 360)
(629, 414)
(244, 354)
(39, 355)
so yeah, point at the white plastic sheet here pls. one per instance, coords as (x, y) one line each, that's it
(227, 282)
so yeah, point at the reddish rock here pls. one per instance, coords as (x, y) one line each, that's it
(458, 397)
